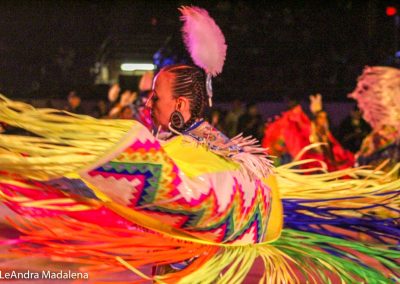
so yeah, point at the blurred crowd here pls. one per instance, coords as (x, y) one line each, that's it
(241, 117)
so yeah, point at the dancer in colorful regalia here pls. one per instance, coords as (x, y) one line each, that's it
(378, 97)
(109, 196)
(294, 136)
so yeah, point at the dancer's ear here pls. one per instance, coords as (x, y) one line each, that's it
(183, 106)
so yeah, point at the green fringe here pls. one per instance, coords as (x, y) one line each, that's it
(308, 250)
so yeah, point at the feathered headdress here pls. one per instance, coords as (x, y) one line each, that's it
(204, 41)
(378, 96)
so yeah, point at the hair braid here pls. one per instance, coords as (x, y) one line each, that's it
(190, 82)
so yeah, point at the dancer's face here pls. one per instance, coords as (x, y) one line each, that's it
(161, 100)
(321, 119)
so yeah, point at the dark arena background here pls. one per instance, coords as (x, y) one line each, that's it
(277, 49)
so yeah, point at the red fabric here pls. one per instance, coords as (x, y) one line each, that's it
(291, 132)
(288, 134)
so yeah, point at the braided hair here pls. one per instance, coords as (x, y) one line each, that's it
(190, 82)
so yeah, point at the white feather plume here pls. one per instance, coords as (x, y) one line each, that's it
(203, 39)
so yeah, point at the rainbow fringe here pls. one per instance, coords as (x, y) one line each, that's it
(340, 222)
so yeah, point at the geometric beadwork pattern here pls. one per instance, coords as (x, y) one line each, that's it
(148, 174)
(153, 182)
(224, 205)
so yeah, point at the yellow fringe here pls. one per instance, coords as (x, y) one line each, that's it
(67, 141)
(356, 188)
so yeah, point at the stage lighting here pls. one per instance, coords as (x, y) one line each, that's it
(391, 11)
(137, 66)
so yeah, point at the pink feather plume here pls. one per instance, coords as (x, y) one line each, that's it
(203, 39)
